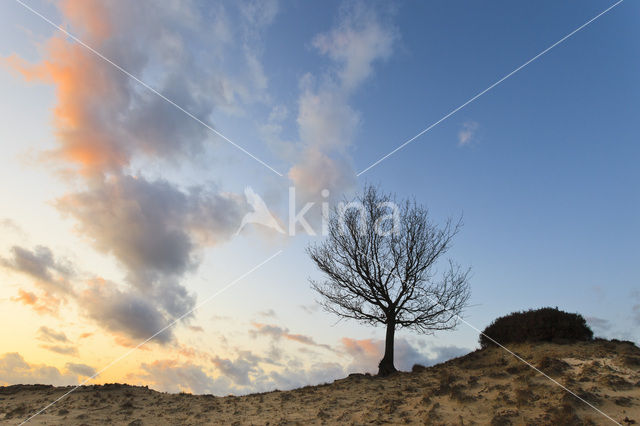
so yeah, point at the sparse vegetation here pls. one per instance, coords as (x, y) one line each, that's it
(417, 368)
(553, 366)
(539, 325)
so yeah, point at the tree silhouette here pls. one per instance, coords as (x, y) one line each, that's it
(379, 260)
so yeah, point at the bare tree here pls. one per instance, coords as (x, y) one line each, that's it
(379, 260)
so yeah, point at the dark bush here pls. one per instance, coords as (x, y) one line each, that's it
(539, 325)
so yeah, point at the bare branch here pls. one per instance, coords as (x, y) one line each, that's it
(380, 261)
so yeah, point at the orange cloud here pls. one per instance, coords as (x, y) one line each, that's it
(84, 85)
(193, 353)
(364, 347)
(300, 338)
(128, 343)
(101, 119)
(47, 305)
(25, 297)
(277, 332)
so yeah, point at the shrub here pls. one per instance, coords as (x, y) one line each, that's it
(539, 325)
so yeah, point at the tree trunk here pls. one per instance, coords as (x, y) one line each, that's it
(386, 366)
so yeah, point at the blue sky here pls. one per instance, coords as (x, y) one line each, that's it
(543, 168)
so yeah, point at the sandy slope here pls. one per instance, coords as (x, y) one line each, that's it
(484, 387)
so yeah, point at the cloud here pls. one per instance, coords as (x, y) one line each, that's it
(238, 370)
(305, 340)
(154, 229)
(246, 372)
(599, 324)
(26, 297)
(273, 331)
(258, 15)
(47, 334)
(444, 353)
(128, 313)
(467, 133)
(105, 122)
(290, 378)
(310, 309)
(40, 264)
(43, 305)
(269, 313)
(172, 376)
(93, 131)
(367, 353)
(52, 276)
(62, 350)
(15, 370)
(316, 171)
(146, 224)
(327, 124)
(83, 370)
(271, 132)
(326, 121)
(11, 226)
(240, 376)
(276, 333)
(359, 40)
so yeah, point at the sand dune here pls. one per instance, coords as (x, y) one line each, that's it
(483, 387)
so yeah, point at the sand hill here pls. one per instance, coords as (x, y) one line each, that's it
(483, 387)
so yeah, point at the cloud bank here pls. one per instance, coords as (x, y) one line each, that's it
(14, 369)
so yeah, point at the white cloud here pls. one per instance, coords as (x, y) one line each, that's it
(327, 123)
(359, 40)
(467, 133)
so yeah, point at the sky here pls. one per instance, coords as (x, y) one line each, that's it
(128, 149)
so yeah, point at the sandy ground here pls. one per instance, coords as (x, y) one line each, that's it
(483, 387)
